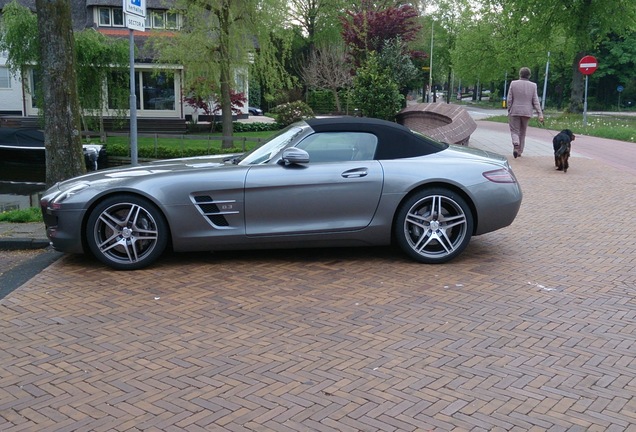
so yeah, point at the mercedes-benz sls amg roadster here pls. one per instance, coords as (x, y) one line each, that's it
(328, 182)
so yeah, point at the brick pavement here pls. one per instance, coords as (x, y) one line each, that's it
(533, 328)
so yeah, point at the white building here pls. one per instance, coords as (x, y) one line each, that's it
(159, 95)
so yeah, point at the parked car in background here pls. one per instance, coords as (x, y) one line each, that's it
(344, 181)
(255, 111)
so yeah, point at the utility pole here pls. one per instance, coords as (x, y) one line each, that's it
(545, 82)
(430, 70)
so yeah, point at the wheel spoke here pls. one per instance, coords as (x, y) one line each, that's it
(125, 232)
(435, 226)
(450, 222)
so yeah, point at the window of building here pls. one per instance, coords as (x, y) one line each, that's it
(160, 19)
(5, 78)
(172, 21)
(158, 91)
(110, 17)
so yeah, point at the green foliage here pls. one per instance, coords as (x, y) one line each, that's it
(375, 93)
(291, 112)
(321, 101)
(19, 36)
(395, 58)
(33, 214)
(249, 136)
(96, 56)
(217, 44)
(256, 127)
(98, 59)
(622, 128)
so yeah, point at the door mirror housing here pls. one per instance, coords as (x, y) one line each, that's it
(294, 155)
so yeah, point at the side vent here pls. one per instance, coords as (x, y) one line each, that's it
(215, 211)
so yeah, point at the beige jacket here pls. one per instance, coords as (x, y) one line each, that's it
(522, 97)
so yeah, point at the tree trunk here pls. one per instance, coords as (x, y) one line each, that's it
(336, 99)
(226, 67)
(578, 86)
(64, 157)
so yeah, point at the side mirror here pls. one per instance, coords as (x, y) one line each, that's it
(294, 155)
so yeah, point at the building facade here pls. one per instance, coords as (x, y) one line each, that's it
(159, 88)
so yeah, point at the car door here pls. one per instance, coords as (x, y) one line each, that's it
(338, 190)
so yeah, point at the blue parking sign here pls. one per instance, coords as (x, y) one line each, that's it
(135, 7)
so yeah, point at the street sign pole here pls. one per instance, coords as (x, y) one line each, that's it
(585, 103)
(135, 14)
(133, 101)
(545, 83)
(587, 66)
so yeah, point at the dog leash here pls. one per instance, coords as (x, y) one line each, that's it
(541, 125)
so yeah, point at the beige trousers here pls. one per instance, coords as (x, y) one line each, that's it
(518, 127)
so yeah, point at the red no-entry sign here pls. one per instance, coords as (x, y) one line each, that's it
(587, 65)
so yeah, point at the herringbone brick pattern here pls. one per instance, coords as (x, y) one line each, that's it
(532, 329)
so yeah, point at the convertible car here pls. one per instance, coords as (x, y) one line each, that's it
(318, 183)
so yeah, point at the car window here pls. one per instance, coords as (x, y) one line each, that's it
(269, 149)
(339, 146)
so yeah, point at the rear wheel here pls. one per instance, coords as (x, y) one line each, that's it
(433, 226)
(126, 232)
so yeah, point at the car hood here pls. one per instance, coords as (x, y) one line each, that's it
(123, 174)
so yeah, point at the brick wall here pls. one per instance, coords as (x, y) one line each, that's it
(441, 121)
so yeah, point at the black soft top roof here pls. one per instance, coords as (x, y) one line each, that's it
(394, 140)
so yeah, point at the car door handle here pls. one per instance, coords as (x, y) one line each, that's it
(354, 173)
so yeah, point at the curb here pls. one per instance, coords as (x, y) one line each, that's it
(12, 244)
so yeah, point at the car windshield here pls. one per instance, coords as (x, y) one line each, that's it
(269, 149)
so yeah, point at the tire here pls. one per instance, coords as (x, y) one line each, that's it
(126, 232)
(433, 226)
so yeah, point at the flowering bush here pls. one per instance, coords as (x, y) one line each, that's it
(291, 112)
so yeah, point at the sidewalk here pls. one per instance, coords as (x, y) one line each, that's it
(19, 236)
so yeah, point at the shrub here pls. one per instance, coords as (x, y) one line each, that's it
(374, 91)
(33, 214)
(291, 112)
(321, 101)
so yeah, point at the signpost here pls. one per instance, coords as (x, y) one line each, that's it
(587, 66)
(135, 12)
(619, 89)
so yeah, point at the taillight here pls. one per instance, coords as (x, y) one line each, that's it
(501, 175)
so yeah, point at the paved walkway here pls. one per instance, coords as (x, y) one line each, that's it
(533, 328)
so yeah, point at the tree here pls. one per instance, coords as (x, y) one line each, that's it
(100, 64)
(318, 20)
(327, 68)
(396, 58)
(368, 30)
(374, 91)
(510, 34)
(95, 58)
(64, 157)
(217, 42)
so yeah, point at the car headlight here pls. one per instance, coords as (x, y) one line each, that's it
(56, 202)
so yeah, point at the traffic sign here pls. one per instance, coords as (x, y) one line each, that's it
(620, 88)
(135, 22)
(135, 7)
(587, 65)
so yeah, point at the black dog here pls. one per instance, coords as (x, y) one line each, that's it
(562, 144)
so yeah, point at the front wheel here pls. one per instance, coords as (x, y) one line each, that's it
(433, 226)
(126, 232)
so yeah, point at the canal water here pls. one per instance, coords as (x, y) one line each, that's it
(21, 185)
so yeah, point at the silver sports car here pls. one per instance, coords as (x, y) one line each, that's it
(321, 182)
